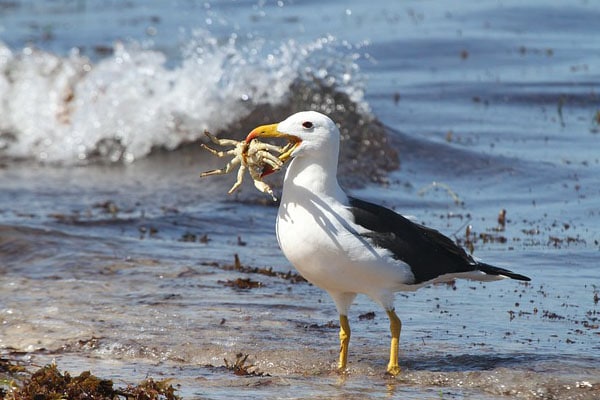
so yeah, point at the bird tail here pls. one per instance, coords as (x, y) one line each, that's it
(491, 270)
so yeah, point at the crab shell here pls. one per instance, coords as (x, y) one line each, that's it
(271, 131)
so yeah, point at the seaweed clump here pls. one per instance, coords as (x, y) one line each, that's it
(242, 283)
(240, 368)
(48, 383)
(290, 276)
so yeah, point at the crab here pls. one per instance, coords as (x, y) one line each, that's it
(254, 156)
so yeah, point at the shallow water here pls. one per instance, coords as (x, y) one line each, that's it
(124, 267)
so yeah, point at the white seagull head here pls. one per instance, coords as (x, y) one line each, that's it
(309, 132)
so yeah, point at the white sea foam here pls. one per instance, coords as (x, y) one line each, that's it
(67, 109)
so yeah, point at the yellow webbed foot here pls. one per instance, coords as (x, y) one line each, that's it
(393, 370)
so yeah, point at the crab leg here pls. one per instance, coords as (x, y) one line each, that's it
(270, 159)
(221, 142)
(216, 152)
(225, 170)
(240, 177)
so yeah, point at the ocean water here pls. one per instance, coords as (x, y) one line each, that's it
(116, 257)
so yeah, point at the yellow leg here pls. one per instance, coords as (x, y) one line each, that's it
(344, 341)
(395, 326)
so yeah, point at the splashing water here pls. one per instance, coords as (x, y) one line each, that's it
(68, 109)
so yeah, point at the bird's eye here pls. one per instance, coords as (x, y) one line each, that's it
(307, 124)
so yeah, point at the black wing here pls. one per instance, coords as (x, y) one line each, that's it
(428, 253)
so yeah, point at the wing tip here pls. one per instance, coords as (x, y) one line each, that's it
(518, 277)
(491, 270)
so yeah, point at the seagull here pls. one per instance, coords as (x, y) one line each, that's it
(348, 246)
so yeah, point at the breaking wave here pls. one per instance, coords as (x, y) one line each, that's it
(70, 110)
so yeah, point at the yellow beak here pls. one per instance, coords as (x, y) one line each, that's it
(270, 131)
